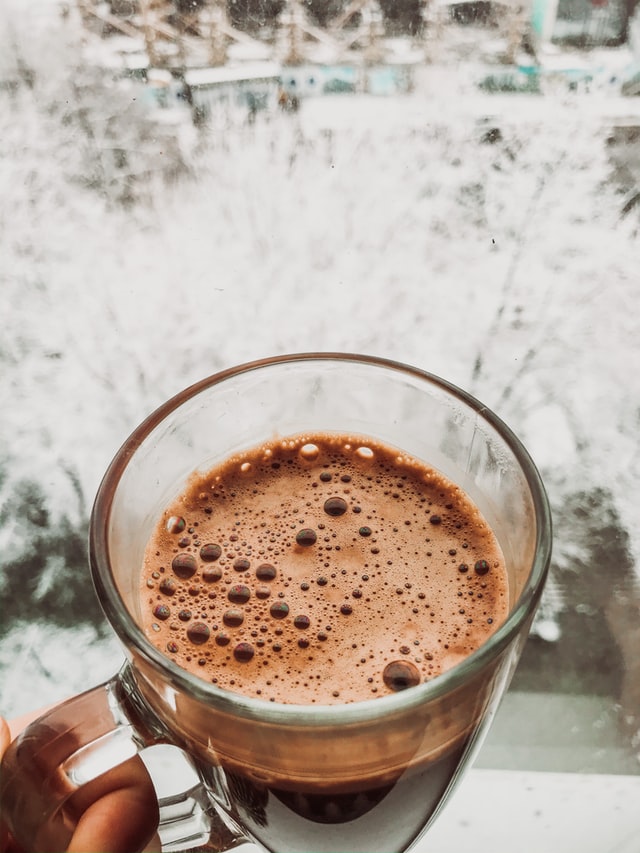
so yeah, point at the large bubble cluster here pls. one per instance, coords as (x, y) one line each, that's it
(321, 569)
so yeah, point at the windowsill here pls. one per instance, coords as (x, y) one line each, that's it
(545, 813)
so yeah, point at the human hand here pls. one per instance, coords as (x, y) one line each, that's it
(116, 813)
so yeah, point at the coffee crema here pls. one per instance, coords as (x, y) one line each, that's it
(321, 568)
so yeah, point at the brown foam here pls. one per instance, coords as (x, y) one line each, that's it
(346, 602)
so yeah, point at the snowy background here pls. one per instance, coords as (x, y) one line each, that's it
(485, 238)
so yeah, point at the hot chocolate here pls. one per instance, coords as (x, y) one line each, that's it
(321, 569)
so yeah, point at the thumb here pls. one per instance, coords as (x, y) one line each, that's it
(5, 736)
(5, 740)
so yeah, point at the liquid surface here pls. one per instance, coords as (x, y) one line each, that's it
(321, 569)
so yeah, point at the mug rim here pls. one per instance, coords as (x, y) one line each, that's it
(131, 635)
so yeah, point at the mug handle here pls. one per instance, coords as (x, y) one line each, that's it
(77, 742)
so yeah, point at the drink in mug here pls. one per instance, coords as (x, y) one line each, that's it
(325, 569)
(322, 569)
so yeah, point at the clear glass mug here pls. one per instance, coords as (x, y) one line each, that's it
(359, 777)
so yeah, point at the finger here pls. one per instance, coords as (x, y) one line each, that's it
(19, 723)
(6, 844)
(9, 731)
(118, 811)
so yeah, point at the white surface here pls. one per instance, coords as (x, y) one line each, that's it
(547, 813)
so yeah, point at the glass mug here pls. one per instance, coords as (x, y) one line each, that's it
(366, 776)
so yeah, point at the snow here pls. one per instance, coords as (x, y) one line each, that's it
(393, 227)
(241, 71)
